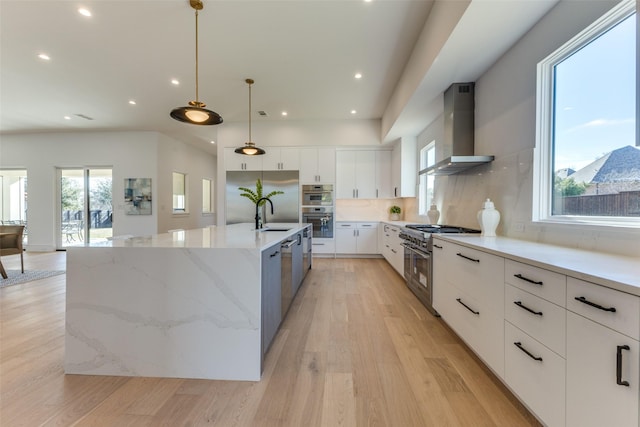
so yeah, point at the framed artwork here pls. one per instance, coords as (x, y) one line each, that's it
(137, 196)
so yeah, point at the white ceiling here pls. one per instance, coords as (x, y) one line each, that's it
(302, 54)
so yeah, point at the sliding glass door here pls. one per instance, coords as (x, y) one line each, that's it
(85, 206)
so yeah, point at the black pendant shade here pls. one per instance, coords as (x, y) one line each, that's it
(196, 115)
(250, 149)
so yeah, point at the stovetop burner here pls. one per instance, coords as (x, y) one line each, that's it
(439, 229)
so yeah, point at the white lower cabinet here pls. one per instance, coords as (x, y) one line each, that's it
(390, 245)
(603, 358)
(468, 293)
(356, 237)
(323, 246)
(536, 374)
(571, 348)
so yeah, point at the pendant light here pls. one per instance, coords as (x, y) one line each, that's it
(195, 113)
(250, 148)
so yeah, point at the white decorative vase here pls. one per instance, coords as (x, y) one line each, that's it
(433, 214)
(488, 218)
(394, 217)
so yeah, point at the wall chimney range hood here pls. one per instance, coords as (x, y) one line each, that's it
(459, 127)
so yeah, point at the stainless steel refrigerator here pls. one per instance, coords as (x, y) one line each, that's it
(285, 206)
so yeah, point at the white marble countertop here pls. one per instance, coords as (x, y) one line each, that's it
(613, 271)
(237, 236)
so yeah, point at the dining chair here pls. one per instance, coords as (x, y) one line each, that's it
(11, 241)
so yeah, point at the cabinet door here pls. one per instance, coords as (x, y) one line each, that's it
(346, 242)
(240, 162)
(296, 260)
(594, 397)
(271, 159)
(367, 235)
(271, 295)
(383, 175)
(309, 166)
(365, 165)
(289, 159)
(345, 174)
(326, 165)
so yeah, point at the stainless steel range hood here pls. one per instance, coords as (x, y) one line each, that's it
(459, 127)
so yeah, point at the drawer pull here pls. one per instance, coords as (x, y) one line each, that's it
(593, 304)
(466, 257)
(619, 365)
(526, 279)
(274, 254)
(519, 304)
(467, 307)
(519, 345)
(437, 246)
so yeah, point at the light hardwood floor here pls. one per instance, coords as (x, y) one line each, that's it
(356, 349)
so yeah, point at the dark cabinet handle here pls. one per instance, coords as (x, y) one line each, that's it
(299, 236)
(466, 257)
(467, 307)
(274, 254)
(519, 345)
(519, 304)
(526, 279)
(619, 365)
(437, 246)
(593, 304)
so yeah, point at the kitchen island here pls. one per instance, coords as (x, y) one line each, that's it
(185, 304)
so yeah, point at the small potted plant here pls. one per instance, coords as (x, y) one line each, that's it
(395, 212)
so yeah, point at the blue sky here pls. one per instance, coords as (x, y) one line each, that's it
(596, 98)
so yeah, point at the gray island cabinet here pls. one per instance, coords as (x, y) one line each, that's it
(201, 303)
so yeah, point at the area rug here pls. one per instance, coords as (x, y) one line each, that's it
(16, 277)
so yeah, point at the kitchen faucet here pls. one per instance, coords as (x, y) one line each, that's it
(258, 225)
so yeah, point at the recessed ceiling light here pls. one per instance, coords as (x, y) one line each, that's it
(44, 56)
(213, 142)
(84, 12)
(358, 76)
(175, 82)
(284, 113)
(132, 102)
(67, 117)
(353, 111)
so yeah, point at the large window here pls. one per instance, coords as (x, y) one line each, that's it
(179, 192)
(426, 187)
(588, 153)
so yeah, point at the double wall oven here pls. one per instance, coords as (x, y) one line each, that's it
(317, 209)
(418, 259)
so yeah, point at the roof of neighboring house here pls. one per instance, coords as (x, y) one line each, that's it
(619, 165)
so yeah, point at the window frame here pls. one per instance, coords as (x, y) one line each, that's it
(423, 162)
(209, 196)
(184, 211)
(545, 114)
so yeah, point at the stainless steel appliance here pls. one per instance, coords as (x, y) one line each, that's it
(286, 207)
(286, 284)
(418, 260)
(317, 195)
(321, 220)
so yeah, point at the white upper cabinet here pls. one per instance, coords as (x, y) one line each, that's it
(241, 162)
(281, 158)
(404, 168)
(361, 174)
(383, 175)
(317, 165)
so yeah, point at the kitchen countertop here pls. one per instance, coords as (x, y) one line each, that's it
(613, 271)
(237, 236)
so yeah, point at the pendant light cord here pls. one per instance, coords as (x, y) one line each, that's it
(250, 140)
(197, 99)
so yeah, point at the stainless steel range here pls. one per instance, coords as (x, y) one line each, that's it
(418, 261)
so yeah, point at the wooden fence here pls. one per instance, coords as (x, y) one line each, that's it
(625, 203)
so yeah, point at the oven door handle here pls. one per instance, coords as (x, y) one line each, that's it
(417, 251)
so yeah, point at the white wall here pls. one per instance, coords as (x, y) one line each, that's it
(129, 154)
(505, 128)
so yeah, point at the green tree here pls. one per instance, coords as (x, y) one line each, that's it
(101, 195)
(71, 194)
(568, 187)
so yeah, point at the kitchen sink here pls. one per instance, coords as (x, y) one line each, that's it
(274, 229)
